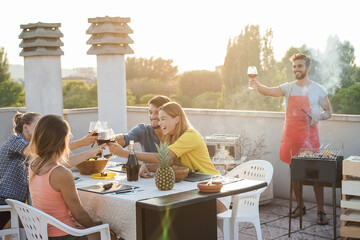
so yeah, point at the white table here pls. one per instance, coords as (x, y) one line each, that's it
(119, 210)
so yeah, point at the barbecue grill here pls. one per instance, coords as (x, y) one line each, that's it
(317, 165)
(309, 160)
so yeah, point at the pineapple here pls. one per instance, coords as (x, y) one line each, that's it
(165, 176)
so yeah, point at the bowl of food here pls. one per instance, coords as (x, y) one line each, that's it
(210, 187)
(92, 166)
(180, 173)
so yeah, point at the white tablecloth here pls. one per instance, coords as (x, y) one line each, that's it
(119, 210)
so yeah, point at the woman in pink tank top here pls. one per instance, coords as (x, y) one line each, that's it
(52, 186)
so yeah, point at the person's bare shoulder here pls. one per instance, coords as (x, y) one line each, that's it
(61, 175)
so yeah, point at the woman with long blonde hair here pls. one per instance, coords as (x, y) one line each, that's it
(52, 186)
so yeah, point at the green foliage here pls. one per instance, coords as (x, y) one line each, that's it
(159, 69)
(346, 100)
(206, 100)
(250, 49)
(183, 100)
(145, 99)
(11, 94)
(143, 86)
(338, 69)
(163, 154)
(130, 98)
(195, 83)
(242, 52)
(4, 66)
(77, 94)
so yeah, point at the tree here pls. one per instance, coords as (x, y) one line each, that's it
(194, 83)
(243, 51)
(11, 93)
(206, 100)
(78, 94)
(338, 69)
(143, 86)
(130, 98)
(346, 100)
(4, 66)
(159, 69)
(249, 49)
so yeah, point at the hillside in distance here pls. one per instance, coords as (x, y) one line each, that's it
(17, 73)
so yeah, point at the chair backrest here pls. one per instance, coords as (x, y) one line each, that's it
(34, 221)
(247, 204)
(254, 170)
(14, 221)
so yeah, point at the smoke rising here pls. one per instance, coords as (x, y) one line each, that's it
(329, 65)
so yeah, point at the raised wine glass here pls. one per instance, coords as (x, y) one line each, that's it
(112, 137)
(92, 127)
(103, 137)
(252, 73)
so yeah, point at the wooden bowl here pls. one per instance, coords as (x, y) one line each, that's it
(213, 188)
(90, 167)
(180, 173)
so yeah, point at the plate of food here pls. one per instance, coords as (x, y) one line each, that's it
(103, 175)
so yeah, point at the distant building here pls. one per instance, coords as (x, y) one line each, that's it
(87, 74)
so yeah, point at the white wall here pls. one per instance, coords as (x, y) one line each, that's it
(340, 131)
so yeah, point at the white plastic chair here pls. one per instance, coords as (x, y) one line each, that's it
(14, 222)
(35, 223)
(246, 205)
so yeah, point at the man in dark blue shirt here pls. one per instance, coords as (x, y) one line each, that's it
(146, 134)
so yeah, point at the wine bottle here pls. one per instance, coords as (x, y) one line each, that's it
(132, 165)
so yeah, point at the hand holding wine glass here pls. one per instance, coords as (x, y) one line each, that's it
(92, 127)
(252, 73)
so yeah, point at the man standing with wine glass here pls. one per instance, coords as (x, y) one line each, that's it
(146, 134)
(306, 104)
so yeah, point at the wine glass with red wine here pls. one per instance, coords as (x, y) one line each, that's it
(103, 137)
(252, 73)
(97, 126)
(112, 137)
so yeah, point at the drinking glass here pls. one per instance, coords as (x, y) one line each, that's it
(97, 126)
(92, 126)
(252, 73)
(112, 135)
(103, 125)
(103, 137)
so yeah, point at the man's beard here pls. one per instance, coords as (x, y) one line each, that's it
(155, 127)
(301, 76)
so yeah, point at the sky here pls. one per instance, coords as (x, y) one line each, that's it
(193, 33)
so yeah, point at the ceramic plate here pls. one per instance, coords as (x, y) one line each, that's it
(98, 175)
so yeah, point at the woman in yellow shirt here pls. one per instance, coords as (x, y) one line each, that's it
(185, 142)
